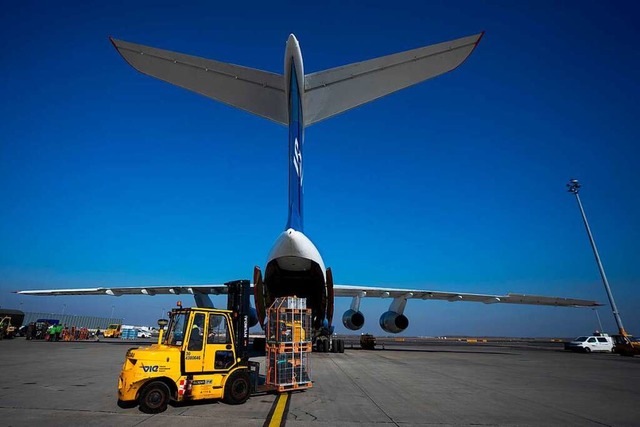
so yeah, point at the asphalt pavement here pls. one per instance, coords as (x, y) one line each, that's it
(408, 383)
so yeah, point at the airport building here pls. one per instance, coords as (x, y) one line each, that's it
(89, 322)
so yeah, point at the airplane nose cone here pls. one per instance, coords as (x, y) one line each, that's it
(292, 39)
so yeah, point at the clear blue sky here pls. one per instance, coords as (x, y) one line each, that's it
(110, 177)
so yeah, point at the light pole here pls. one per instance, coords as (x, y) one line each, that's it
(574, 187)
(599, 322)
(112, 308)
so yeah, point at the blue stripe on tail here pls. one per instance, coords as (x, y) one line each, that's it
(296, 139)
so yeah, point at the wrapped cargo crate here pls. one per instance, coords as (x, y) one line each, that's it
(288, 369)
(129, 334)
(288, 344)
(289, 321)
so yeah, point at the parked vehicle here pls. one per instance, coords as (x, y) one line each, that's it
(41, 327)
(114, 330)
(626, 345)
(143, 334)
(367, 342)
(590, 343)
(10, 322)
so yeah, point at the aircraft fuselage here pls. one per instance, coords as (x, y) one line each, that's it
(294, 265)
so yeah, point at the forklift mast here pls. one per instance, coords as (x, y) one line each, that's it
(238, 301)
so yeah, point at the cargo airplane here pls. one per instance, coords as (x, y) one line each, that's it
(297, 100)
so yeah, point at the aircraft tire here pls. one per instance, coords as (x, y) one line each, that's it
(237, 389)
(341, 346)
(325, 346)
(154, 397)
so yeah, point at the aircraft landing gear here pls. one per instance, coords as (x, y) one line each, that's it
(325, 344)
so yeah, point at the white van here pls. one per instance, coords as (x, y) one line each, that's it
(590, 343)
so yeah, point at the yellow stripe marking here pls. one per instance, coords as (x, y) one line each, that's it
(278, 414)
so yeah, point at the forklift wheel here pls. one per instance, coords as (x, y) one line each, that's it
(127, 404)
(237, 388)
(154, 398)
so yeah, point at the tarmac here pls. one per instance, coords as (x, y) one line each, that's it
(411, 383)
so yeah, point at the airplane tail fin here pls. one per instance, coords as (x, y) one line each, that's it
(296, 141)
(336, 90)
(323, 94)
(256, 91)
(326, 93)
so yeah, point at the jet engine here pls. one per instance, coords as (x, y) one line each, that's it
(353, 319)
(393, 322)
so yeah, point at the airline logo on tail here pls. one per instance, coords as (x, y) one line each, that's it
(297, 160)
(296, 175)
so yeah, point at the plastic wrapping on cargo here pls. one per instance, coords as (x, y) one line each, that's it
(129, 334)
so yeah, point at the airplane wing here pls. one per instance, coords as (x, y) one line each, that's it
(134, 290)
(336, 90)
(338, 290)
(256, 91)
(364, 291)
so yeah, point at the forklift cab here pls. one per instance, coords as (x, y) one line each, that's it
(205, 339)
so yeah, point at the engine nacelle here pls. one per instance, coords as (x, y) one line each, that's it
(393, 322)
(353, 320)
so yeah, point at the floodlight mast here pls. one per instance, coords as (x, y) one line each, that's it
(574, 187)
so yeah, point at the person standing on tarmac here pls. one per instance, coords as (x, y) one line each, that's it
(50, 331)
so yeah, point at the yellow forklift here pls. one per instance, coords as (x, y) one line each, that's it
(203, 354)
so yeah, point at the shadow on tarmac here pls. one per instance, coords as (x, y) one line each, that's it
(416, 350)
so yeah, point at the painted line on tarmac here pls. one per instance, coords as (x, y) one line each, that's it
(278, 414)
